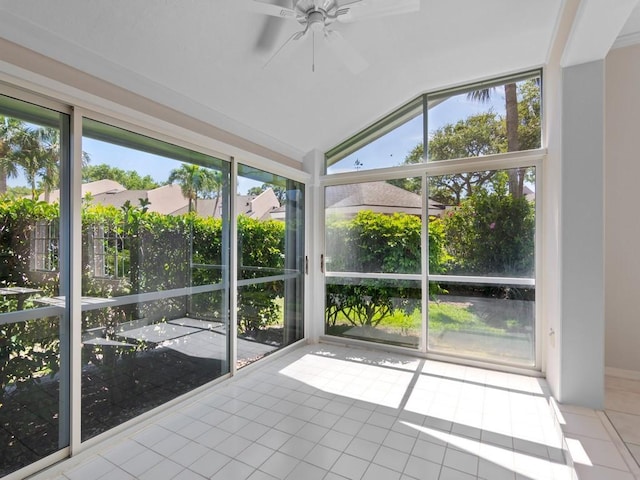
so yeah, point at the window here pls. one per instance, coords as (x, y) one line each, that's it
(454, 198)
(482, 303)
(157, 314)
(271, 259)
(373, 233)
(107, 251)
(34, 348)
(485, 119)
(393, 141)
(45, 246)
(155, 287)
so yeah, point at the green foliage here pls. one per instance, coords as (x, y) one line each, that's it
(491, 233)
(476, 135)
(374, 242)
(197, 182)
(129, 179)
(261, 254)
(448, 316)
(162, 252)
(29, 349)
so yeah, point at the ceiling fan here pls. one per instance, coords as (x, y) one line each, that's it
(317, 16)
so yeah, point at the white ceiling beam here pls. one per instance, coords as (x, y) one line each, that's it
(595, 28)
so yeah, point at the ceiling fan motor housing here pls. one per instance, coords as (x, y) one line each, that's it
(316, 14)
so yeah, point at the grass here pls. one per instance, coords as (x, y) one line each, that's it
(443, 316)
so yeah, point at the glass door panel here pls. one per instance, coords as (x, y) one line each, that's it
(34, 342)
(373, 237)
(482, 300)
(271, 259)
(155, 263)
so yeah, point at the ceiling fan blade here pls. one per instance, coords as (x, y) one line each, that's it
(269, 34)
(345, 52)
(379, 8)
(270, 9)
(346, 3)
(292, 38)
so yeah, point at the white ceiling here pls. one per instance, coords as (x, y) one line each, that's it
(201, 57)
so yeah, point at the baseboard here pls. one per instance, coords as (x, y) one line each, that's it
(621, 373)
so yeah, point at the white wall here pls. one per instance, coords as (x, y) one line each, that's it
(622, 210)
(582, 236)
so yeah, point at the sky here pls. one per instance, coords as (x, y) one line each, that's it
(391, 149)
(387, 151)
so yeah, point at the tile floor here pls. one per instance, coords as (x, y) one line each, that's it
(622, 406)
(335, 413)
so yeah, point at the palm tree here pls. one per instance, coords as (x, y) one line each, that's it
(516, 176)
(216, 182)
(25, 152)
(49, 158)
(8, 167)
(192, 179)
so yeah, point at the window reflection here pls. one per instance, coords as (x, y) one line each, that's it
(34, 368)
(155, 274)
(270, 263)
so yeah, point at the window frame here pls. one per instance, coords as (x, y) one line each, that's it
(524, 158)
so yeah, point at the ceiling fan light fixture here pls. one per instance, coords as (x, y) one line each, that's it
(316, 21)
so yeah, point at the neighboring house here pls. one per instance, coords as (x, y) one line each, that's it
(258, 207)
(94, 189)
(169, 200)
(379, 197)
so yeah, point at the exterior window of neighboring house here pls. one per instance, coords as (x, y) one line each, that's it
(45, 239)
(110, 256)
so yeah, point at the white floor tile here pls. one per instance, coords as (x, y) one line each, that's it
(297, 447)
(165, 470)
(234, 469)
(306, 471)
(597, 472)
(332, 413)
(279, 465)
(141, 463)
(350, 467)
(255, 455)
(363, 449)
(91, 470)
(209, 464)
(390, 458)
(420, 468)
(323, 457)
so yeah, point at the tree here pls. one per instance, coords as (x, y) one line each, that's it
(194, 181)
(481, 134)
(48, 151)
(8, 130)
(129, 179)
(36, 150)
(491, 233)
(513, 124)
(212, 183)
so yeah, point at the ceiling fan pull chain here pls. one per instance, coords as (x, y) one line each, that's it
(313, 50)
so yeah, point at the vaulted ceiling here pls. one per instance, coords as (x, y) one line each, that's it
(206, 58)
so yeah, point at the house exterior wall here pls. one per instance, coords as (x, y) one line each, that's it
(622, 221)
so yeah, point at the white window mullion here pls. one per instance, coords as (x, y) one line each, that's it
(75, 290)
(233, 270)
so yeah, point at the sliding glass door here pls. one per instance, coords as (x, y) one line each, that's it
(155, 274)
(271, 260)
(34, 266)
